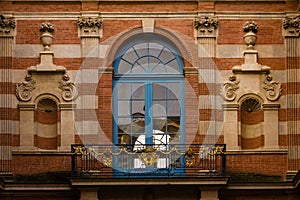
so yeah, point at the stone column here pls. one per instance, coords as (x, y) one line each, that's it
(291, 32)
(271, 126)
(206, 33)
(26, 126)
(7, 33)
(67, 128)
(230, 128)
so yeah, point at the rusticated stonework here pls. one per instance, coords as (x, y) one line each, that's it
(291, 26)
(206, 25)
(273, 90)
(24, 89)
(7, 26)
(229, 88)
(89, 26)
(69, 90)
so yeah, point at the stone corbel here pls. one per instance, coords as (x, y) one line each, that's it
(291, 26)
(89, 26)
(206, 26)
(228, 89)
(24, 89)
(7, 26)
(68, 88)
(273, 89)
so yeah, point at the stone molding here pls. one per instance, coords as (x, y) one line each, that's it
(273, 89)
(24, 89)
(206, 26)
(89, 26)
(68, 88)
(229, 88)
(291, 26)
(7, 26)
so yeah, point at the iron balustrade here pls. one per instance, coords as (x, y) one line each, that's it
(170, 160)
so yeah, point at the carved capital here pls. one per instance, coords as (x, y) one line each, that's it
(69, 89)
(7, 26)
(24, 89)
(273, 90)
(206, 26)
(228, 89)
(291, 26)
(89, 26)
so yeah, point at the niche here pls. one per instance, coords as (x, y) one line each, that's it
(252, 122)
(46, 117)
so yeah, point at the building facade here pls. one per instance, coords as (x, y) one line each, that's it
(150, 99)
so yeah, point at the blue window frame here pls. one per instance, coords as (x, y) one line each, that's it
(148, 98)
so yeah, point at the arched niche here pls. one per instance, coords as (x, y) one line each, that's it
(46, 120)
(251, 123)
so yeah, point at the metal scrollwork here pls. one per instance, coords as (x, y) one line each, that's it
(229, 88)
(24, 89)
(69, 89)
(272, 88)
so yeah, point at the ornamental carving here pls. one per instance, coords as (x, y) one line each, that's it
(7, 24)
(69, 89)
(206, 25)
(89, 25)
(273, 90)
(291, 26)
(229, 88)
(24, 89)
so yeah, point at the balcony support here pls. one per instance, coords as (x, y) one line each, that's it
(209, 193)
(89, 193)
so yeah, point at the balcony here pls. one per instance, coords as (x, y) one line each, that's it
(123, 161)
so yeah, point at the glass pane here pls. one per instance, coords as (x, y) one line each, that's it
(130, 55)
(124, 67)
(172, 67)
(173, 108)
(173, 90)
(124, 90)
(166, 56)
(123, 108)
(137, 91)
(159, 91)
(139, 67)
(155, 49)
(159, 125)
(141, 49)
(159, 108)
(124, 125)
(138, 108)
(160, 68)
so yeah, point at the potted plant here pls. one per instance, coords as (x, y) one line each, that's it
(250, 29)
(46, 29)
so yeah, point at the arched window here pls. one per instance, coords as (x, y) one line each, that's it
(148, 96)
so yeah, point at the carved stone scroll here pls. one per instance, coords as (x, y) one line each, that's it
(24, 89)
(69, 89)
(229, 88)
(273, 90)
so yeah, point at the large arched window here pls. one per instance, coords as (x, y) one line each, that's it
(148, 96)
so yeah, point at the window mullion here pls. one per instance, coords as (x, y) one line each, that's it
(148, 113)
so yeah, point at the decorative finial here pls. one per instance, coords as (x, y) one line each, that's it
(250, 29)
(46, 29)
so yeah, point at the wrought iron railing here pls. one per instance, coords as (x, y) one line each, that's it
(170, 160)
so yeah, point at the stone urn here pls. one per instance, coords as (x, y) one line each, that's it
(250, 39)
(46, 39)
(250, 29)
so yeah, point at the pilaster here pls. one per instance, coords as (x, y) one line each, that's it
(271, 127)
(26, 126)
(67, 125)
(230, 128)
